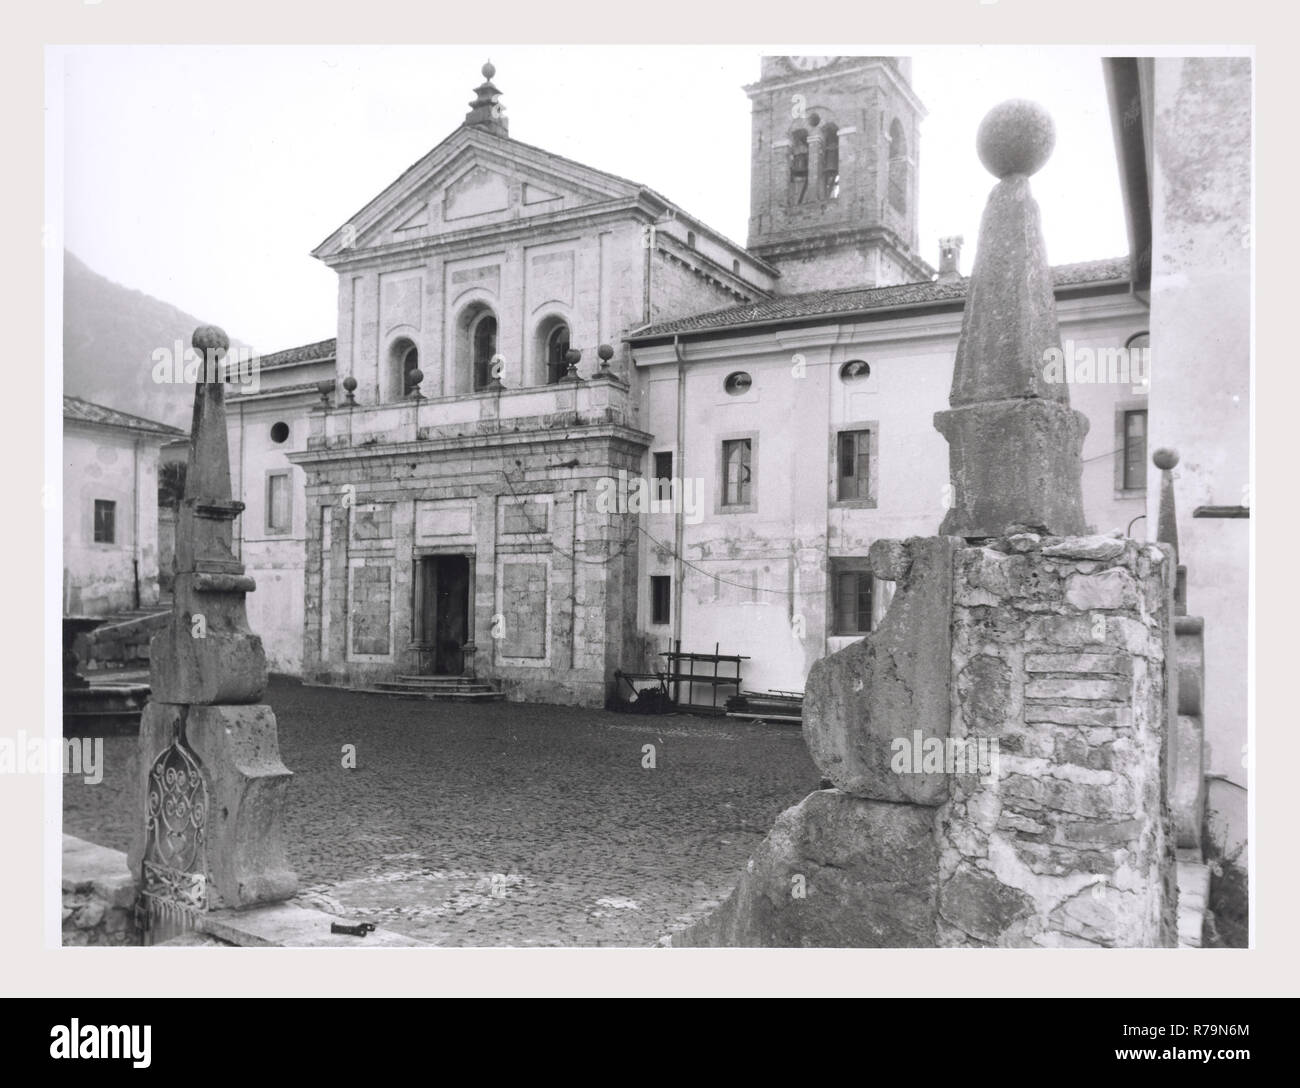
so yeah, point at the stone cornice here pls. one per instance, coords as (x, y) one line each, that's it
(615, 433)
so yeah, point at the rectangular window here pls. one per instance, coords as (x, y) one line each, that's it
(661, 588)
(662, 487)
(279, 509)
(737, 475)
(854, 465)
(852, 604)
(105, 521)
(1135, 450)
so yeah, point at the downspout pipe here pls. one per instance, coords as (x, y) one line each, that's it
(679, 470)
(135, 524)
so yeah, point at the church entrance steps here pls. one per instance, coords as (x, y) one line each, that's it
(447, 688)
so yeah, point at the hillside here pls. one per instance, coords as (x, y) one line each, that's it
(110, 333)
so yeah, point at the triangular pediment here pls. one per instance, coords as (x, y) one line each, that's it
(473, 179)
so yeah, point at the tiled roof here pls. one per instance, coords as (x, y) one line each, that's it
(84, 411)
(305, 353)
(860, 299)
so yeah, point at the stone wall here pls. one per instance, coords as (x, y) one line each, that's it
(120, 645)
(1058, 654)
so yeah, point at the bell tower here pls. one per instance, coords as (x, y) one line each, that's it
(833, 175)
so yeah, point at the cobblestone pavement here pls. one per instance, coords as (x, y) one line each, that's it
(505, 823)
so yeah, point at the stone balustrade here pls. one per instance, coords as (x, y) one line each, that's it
(602, 398)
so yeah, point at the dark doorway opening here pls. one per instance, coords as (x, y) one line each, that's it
(443, 613)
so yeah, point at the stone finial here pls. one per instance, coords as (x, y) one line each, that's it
(1014, 442)
(486, 111)
(605, 353)
(572, 357)
(210, 338)
(350, 388)
(1015, 137)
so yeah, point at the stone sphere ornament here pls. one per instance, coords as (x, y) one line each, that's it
(605, 353)
(416, 376)
(208, 338)
(1165, 458)
(350, 384)
(1015, 137)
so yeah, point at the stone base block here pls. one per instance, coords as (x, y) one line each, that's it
(863, 705)
(238, 754)
(835, 872)
(217, 668)
(1007, 460)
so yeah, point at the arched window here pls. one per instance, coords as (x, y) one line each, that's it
(483, 338)
(798, 166)
(410, 363)
(831, 162)
(898, 170)
(402, 359)
(690, 238)
(554, 345)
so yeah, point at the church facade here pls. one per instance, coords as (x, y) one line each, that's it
(565, 426)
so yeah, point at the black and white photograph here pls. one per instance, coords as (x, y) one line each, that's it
(656, 498)
(590, 578)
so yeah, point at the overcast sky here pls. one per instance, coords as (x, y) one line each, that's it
(204, 175)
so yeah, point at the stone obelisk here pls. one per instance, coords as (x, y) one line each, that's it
(1014, 443)
(211, 784)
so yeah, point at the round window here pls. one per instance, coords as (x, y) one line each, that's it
(855, 370)
(279, 432)
(737, 383)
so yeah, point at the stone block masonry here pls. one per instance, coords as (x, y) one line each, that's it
(1065, 666)
(552, 592)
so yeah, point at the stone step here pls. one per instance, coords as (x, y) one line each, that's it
(462, 693)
